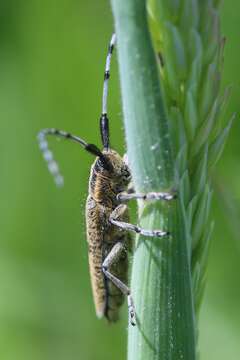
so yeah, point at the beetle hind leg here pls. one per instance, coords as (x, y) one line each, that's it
(113, 257)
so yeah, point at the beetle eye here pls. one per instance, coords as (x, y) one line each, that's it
(105, 163)
(126, 173)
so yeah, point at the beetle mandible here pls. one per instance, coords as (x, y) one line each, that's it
(107, 220)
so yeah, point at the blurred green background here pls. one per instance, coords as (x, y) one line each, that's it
(52, 56)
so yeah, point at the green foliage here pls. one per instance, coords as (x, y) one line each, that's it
(189, 46)
(187, 35)
(160, 282)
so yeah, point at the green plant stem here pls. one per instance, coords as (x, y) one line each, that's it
(161, 282)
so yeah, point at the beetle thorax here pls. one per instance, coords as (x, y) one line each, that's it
(108, 178)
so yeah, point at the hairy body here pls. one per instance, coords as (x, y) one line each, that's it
(104, 186)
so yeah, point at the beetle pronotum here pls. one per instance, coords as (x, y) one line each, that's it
(107, 221)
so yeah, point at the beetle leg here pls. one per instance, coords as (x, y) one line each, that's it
(116, 214)
(111, 258)
(130, 195)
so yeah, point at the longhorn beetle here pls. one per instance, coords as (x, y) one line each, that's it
(107, 217)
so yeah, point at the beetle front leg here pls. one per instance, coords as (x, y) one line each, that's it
(130, 195)
(116, 214)
(112, 257)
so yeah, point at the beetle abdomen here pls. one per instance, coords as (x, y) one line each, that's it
(94, 224)
(101, 238)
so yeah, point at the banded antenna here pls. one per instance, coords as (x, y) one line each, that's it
(104, 123)
(48, 155)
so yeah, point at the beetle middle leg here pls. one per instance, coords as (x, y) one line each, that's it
(111, 258)
(117, 213)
